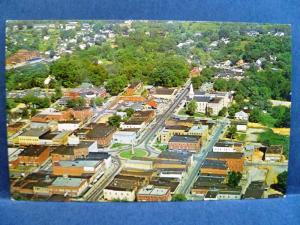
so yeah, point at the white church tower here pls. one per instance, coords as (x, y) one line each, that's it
(191, 92)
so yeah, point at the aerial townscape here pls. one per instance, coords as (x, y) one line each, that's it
(144, 110)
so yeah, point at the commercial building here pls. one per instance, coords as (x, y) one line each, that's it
(255, 190)
(34, 155)
(150, 193)
(163, 93)
(102, 133)
(185, 142)
(125, 137)
(138, 164)
(274, 153)
(123, 188)
(30, 136)
(68, 125)
(217, 167)
(234, 160)
(73, 152)
(228, 146)
(77, 167)
(72, 187)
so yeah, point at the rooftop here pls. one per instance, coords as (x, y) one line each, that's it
(163, 91)
(227, 144)
(34, 150)
(68, 182)
(215, 164)
(185, 138)
(274, 149)
(100, 130)
(78, 163)
(225, 155)
(152, 190)
(34, 132)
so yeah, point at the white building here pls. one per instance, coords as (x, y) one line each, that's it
(71, 126)
(124, 137)
(229, 195)
(138, 164)
(241, 115)
(119, 193)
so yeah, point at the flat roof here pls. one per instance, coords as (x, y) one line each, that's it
(78, 163)
(163, 91)
(215, 164)
(33, 150)
(227, 144)
(67, 182)
(225, 155)
(185, 138)
(34, 132)
(100, 130)
(152, 190)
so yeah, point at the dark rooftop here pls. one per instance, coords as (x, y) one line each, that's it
(33, 150)
(274, 149)
(225, 155)
(255, 190)
(100, 130)
(98, 155)
(214, 164)
(185, 138)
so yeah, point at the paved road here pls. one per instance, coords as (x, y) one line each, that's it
(155, 126)
(144, 140)
(192, 173)
(96, 191)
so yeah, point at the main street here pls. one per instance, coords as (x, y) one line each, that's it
(159, 123)
(155, 126)
(96, 191)
(192, 173)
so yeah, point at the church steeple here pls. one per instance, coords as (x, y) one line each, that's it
(191, 92)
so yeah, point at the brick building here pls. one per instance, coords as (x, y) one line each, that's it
(77, 167)
(150, 193)
(185, 142)
(72, 187)
(102, 133)
(216, 167)
(234, 160)
(34, 155)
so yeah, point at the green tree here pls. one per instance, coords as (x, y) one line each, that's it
(114, 121)
(254, 115)
(231, 133)
(223, 112)
(191, 107)
(234, 179)
(129, 112)
(74, 103)
(179, 198)
(282, 181)
(116, 84)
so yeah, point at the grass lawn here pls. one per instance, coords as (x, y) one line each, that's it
(161, 147)
(137, 152)
(118, 145)
(269, 137)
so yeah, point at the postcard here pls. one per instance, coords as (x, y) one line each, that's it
(141, 110)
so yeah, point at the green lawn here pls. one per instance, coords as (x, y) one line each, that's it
(118, 145)
(137, 152)
(270, 138)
